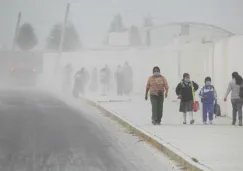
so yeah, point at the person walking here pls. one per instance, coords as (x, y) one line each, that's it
(237, 103)
(158, 87)
(79, 84)
(185, 91)
(208, 96)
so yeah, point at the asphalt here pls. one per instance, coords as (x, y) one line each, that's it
(39, 131)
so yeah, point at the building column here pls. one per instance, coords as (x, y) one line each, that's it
(179, 65)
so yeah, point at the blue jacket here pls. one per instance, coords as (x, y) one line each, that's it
(208, 94)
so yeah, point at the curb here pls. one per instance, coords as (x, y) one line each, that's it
(189, 163)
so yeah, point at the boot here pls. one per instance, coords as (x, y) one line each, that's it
(240, 123)
(192, 122)
(154, 122)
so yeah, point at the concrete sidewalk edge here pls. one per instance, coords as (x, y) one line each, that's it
(189, 163)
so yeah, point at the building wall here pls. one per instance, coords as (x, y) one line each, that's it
(217, 60)
(142, 61)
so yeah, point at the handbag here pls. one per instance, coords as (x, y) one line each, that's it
(217, 110)
(195, 105)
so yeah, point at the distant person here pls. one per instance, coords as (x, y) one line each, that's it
(127, 75)
(67, 74)
(158, 87)
(234, 87)
(208, 96)
(79, 83)
(105, 78)
(119, 80)
(185, 91)
(94, 80)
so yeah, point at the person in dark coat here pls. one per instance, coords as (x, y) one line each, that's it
(185, 91)
(80, 81)
(127, 75)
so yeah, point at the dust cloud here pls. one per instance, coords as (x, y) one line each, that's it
(108, 48)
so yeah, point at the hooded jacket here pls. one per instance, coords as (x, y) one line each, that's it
(208, 94)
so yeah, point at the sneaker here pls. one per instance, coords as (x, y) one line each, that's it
(205, 123)
(192, 122)
(240, 123)
(210, 122)
(158, 123)
(184, 122)
(153, 122)
(233, 123)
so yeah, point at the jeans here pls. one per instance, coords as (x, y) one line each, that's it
(208, 109)
(157, 107)
(237, 107)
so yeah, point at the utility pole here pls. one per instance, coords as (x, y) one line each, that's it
(60, 48)
(16, 30)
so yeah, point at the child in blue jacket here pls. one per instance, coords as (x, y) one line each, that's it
(208, 96)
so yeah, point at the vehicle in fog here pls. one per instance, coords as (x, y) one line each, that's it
(21, 67)
(23, 74)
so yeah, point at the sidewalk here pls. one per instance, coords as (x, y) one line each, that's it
(218, 147)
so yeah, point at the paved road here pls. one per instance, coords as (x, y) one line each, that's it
(36, 126)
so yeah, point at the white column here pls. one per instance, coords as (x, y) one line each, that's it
(226, 70)
(212, 70)
(179, 65)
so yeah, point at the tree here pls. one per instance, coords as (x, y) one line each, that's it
(135, 38)
(117, 24)
(26, 38)
(148, 21)
(71, 38)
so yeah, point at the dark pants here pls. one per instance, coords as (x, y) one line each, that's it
(157, 107)
(208, 109)
(237, 107)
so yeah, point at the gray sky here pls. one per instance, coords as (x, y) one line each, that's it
(92, 17)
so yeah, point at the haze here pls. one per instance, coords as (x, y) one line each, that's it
(88, 15)
(121, 85)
